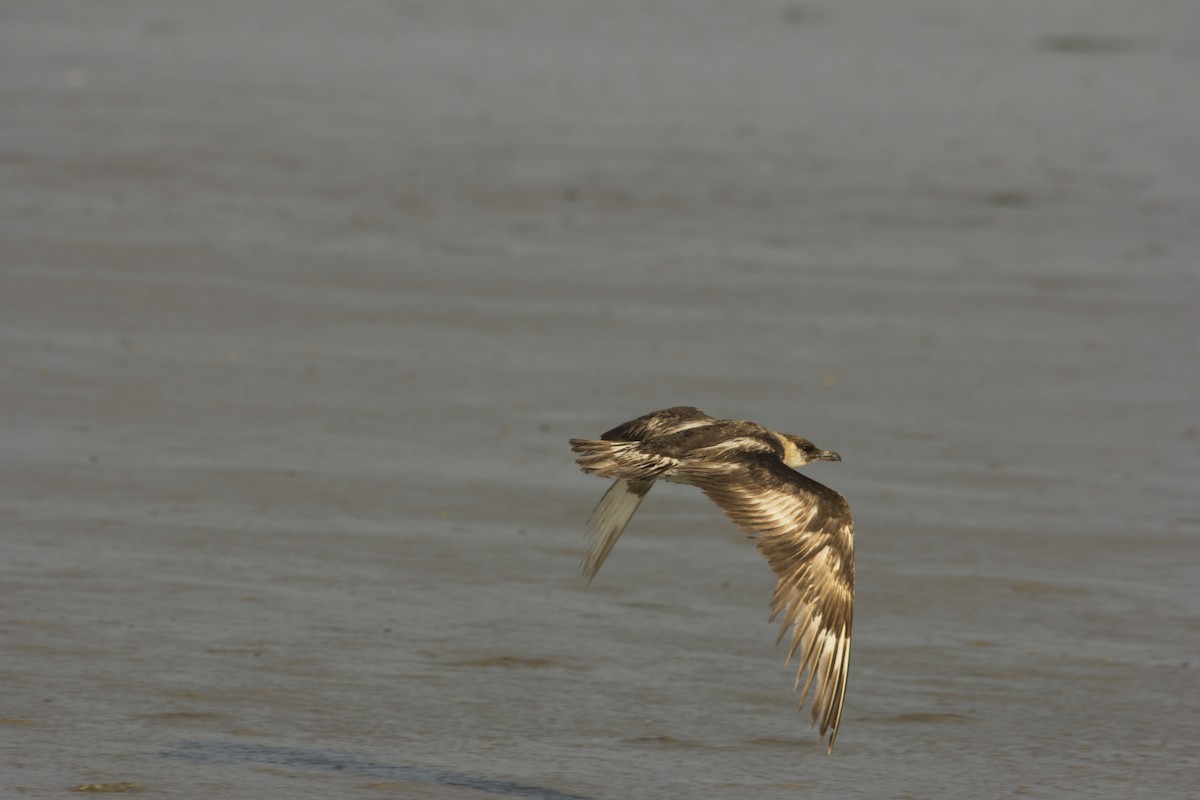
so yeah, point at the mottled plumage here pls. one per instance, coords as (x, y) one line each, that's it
(803, 528)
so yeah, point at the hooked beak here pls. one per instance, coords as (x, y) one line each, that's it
(828, 455)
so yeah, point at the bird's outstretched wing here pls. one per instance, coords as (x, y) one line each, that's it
(806, 533)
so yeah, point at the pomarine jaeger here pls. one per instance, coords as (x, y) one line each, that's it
(803, 528)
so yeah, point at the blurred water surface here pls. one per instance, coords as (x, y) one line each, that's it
(300, 304)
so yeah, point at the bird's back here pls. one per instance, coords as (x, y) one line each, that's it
(658, 423)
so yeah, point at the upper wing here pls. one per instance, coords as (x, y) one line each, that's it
(806, 533)
(658, 423)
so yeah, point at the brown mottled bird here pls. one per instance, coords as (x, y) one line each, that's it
(803, 528)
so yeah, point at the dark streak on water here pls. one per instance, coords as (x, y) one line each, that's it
(215, 752)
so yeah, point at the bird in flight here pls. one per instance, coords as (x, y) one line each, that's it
(803, 528)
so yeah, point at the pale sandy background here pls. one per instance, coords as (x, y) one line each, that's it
(299, 303)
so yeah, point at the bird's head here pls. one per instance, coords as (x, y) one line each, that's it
(798, 451)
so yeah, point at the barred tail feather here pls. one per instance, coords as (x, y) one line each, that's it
(622, 460)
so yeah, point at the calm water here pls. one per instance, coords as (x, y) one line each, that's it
(299, 308)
